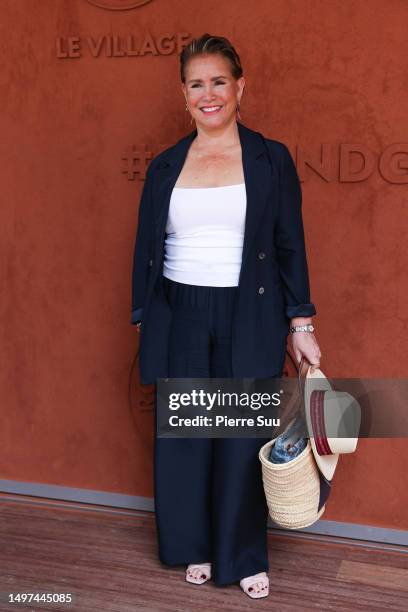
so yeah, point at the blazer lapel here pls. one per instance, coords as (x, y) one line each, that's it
(166, 175)
(257, 173)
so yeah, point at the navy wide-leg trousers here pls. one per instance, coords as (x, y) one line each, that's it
(209, 498)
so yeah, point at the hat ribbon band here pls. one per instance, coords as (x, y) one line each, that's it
(318, 425)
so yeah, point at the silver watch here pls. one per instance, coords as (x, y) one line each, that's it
(302, 328)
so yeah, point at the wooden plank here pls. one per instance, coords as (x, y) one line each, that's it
(383, 576)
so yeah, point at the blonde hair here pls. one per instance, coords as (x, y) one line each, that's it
(208, 44)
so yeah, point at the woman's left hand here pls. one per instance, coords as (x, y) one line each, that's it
(304, 344)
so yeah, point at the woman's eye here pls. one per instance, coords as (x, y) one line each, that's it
(216, 82)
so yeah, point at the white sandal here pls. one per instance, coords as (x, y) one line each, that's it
(248, 588)
(205, 569)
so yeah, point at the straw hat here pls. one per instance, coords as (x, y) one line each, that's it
(333, 421)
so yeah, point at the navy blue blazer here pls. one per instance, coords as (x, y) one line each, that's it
(273, 283)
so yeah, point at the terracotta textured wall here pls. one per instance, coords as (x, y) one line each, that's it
(87, 94)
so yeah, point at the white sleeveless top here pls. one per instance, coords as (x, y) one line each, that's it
(205, 235)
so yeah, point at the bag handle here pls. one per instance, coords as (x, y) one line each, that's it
(296, 404)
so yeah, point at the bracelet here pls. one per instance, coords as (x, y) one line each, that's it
(302, 328)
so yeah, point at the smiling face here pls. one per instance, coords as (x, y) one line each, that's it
(211, 92)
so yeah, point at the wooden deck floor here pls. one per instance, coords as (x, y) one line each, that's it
(108, 560)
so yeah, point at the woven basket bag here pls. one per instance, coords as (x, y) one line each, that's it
(292, 489)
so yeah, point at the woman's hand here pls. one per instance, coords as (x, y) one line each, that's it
(304, 344)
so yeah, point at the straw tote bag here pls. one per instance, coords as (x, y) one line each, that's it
(293, 490)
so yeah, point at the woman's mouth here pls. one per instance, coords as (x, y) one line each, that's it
(210, 110)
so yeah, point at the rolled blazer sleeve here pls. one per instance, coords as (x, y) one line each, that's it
(142, 250)
(290, 242)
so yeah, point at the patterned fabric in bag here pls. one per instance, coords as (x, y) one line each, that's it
(289, 444)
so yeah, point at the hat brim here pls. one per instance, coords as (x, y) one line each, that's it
(317, 380)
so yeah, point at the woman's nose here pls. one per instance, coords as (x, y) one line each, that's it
(209, 92)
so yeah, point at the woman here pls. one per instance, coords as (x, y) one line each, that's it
(219, 278)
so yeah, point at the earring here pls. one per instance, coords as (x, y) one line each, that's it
(191, 118)
(239, 116)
